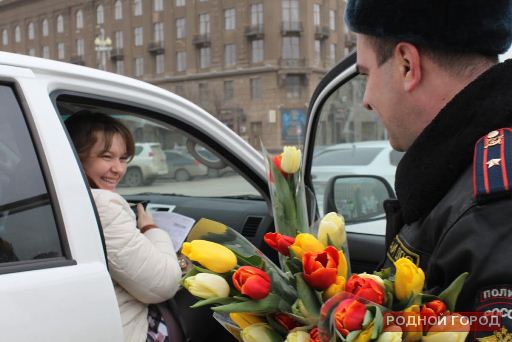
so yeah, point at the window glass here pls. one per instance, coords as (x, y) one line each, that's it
(257, 51)
(27, 225)
(61, 51)
(204, 57)
(181, 30)
(256, 14)
(181, 61)
(158, 5)
(45, 28)
(79, 19)
(139, 36)
(137, 7)
(17, 34)
(118, 10)
(346, 156)
(100, 15)
(162, 163)
(229, 54)
(60, 24)
(159, 63)
(5, 37)
(31, 30)
(204, 23)
(229, 19)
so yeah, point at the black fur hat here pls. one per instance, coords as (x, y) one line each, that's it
(473, 26)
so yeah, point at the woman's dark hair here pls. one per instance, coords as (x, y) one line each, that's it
(83, 126)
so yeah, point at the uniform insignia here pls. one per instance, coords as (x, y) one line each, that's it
(496, 299)
(498, 336)
(398, 250)
(492, 163)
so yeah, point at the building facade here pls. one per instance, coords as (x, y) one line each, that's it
(252, 63)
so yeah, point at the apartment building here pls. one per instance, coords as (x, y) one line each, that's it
(252, 63)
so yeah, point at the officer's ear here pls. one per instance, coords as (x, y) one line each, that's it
(408, 61)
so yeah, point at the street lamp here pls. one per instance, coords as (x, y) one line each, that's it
(103, 46)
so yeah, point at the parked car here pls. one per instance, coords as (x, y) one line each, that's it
(183, 167)
(53, 269)
(148, 163)
(360, 158)
(214, 171)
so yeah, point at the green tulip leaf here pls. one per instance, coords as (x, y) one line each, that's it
(282, 286)
(271, 303)
(215, 300)
(377, 323)
(451, 293)
(384, 273)
(352, 335)
(253, 260)
(368, 316)
(308, 297)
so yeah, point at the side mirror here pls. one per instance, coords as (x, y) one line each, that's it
(358, 198)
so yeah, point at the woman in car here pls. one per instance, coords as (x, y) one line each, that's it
(141, 258)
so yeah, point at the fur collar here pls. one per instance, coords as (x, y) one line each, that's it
(444, 149)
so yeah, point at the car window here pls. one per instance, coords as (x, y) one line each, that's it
(28, 228)
(351, 156)
(164, 164)
(350, 140)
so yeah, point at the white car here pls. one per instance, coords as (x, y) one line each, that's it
(148, 163)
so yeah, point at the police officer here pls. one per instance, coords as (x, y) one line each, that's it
(433, 77)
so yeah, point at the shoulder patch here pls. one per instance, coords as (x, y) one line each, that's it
(492, 164)
(496, 299)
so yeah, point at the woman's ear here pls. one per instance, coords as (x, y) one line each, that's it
(408, 61)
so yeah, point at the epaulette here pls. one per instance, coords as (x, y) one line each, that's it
(492, 164)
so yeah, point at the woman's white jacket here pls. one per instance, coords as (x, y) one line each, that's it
(144, 267)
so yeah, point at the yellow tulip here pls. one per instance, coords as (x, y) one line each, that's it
(207, 285)
(409, 279)
(290, 161)
(259, 332)
(332, 228)
(342, 265)
(439, 333)
(365, 335)
(335, 288)
(297, 336)
(211, 255)
(391, 336)
(305, 242)
(243, 320)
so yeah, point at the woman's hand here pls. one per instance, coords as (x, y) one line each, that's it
(144, 218)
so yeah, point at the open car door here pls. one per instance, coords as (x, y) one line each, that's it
(349, 164)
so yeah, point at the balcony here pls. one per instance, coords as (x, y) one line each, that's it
(290, 28)
(156, 47)
(292, 62)
(201, 40)
(77, 60)
(117, 54)
(254, 31)
(322, 32)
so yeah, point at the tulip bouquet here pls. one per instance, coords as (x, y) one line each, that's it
(312, 296)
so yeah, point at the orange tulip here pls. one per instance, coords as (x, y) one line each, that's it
(321, 268)
(252, 282)
(279, 242)
(366, 288)
(349, 316)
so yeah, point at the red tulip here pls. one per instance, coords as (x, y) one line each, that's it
(252, 282)
(349, 316)
(314, 335)
(433, 308)
(321, 268)
(366, 288)
(286, 321)
(279, 242)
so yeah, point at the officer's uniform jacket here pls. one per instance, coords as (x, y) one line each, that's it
(453, 212)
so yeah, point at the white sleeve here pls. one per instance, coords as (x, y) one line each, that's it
(145, 265)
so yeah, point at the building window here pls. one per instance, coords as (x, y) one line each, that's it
(332, 53)
(139, 36)
(17, 34)
(290, 11)
(79, 19)
(80, 50)
(229, 90)
(118, 10)
(5, 37)
(60, 24)
(30, 31)
(257, 51)
(255, 88)
(32, 52)
(137, 7)
(45, 28)
(316, 14)
(257, 14)
(229, 19)
(318, 52)
(204, 23)
(293, 86)
(181, 61)
(159, 63)
(61, 51)
(46, 52)
(203, 94)
(120, 67)
(332, 20)
(229, 54)
(119, 39)
(158, 5)
(158, 32)
(181, 29)
(291, 47)
(204, 57)
(180, 3)
(139, 66)
(100, 15)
